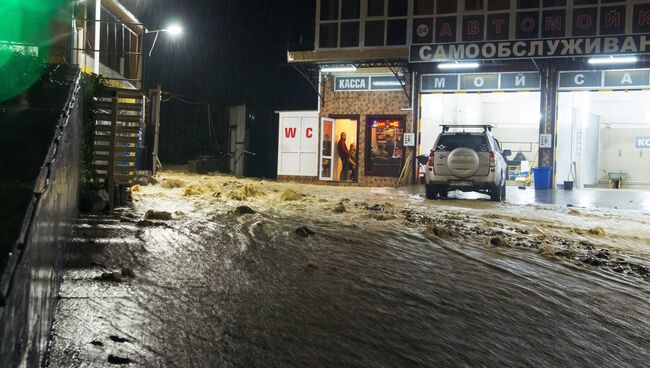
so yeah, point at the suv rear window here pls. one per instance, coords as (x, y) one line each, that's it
(452, 141)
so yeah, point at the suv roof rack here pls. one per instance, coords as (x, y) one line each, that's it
(487, 128)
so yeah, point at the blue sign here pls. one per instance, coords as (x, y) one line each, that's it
(367, 83)
(643, 142)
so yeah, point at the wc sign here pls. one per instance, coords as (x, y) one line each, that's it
(643, 142)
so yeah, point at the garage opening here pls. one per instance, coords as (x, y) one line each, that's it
(514, 116)
(603, 136)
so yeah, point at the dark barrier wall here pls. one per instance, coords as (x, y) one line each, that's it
(29, 285)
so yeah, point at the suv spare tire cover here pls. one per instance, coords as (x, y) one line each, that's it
(463, 162)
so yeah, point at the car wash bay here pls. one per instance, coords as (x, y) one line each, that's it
(509, 102)
(603, 125)
(600, 130)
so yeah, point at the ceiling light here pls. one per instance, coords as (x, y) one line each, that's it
(614, 60)
(458, 66)
(339, 69)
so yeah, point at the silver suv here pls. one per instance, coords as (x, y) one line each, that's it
(468, 161)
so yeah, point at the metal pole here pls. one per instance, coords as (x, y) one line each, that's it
(98, 24)
(156, 126)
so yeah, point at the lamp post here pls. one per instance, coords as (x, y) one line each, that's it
(173, 30)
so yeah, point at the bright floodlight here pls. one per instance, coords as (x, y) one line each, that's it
(458, 66)
(614, 60)
(174, 30)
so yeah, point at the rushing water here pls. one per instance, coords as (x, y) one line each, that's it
(217, 289)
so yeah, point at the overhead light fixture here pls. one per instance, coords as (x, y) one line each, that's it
(458, 66)
(174, 30)
(339, 69)
(613, 60)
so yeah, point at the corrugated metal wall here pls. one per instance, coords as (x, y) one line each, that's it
(29, 286)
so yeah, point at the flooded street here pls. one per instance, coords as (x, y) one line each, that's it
(240, 273)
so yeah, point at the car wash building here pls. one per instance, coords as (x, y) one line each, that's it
(359, 66)
(565, 83)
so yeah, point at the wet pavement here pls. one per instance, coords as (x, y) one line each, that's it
(255, 274)
(588, 198)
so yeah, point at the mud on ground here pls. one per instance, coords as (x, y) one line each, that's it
(613, 241)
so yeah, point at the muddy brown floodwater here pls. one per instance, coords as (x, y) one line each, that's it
(213, 271)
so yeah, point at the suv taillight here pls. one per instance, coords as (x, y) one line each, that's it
(432, 156)
(493, 161)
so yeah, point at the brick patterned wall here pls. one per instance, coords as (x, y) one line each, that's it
(364, 104)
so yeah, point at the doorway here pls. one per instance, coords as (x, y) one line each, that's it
(331, 166)
(598, 133)
(514, 116)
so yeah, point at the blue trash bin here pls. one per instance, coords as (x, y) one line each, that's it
(542, 177)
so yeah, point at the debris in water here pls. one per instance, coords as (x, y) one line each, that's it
(118, 339)
(310, 266)
(575, 212)
(597, 231)
(158, 215)
(146, 223)
(383, 217)
(499, 242)
(136, 188)
(172, 183)
(441, 232)
(340, 208)
(193, 190)
(127, 272)
(246, 191)
(375, 207)
(548, 251)
(244, 210)
(97, 343)
(290, 195)
(603, 254)
(566, 253)
(304, 231)
(113, 359)
(115, 276)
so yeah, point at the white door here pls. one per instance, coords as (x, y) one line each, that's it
(326, 166)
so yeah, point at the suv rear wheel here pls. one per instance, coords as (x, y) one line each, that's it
(432, 191)
(498, 193)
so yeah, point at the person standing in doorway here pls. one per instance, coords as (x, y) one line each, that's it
(344, 155)
(353, 161)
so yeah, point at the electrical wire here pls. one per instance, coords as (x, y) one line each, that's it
(187, 100)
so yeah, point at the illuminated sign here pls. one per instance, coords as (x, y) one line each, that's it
(522, 49)
(643, 142)
(376, 83)
(607, 79)
(383, 124)
(525, 81)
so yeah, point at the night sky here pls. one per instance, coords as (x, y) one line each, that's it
(232, 52)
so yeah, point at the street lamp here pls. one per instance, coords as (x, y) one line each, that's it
(174, 30)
